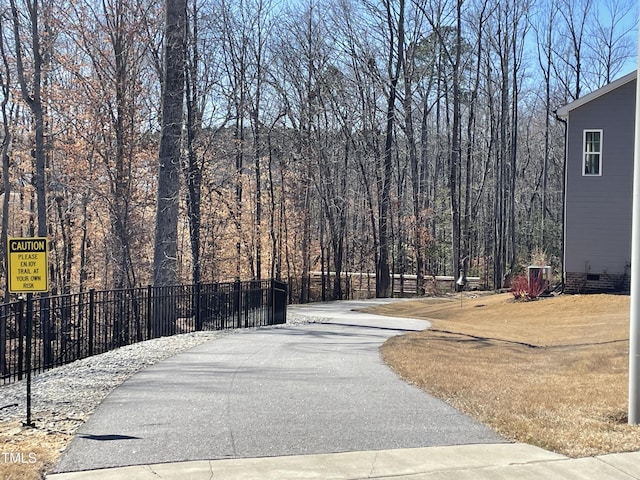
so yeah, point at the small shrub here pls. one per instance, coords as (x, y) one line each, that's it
(519, 287)
(524, 291)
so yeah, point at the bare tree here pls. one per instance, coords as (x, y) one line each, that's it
(165, 253)
(235, 44)
(192, 168)
(570, 52)
(544, 34)
(610, 39)
(362, 49)
(113, 88)
(5, 88)
(395, 25)
(31, 89)
(261, 32)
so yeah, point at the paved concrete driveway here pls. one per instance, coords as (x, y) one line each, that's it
(298, 389)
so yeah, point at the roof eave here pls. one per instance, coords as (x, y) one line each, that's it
(564, 110)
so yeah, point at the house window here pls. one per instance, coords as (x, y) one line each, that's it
(592, 158)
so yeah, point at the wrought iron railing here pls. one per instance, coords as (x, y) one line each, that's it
(65, 328)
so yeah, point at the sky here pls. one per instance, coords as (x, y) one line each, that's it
(629, 23)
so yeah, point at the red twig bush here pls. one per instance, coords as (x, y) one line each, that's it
(524, 290)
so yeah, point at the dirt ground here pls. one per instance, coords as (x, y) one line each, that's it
(552, 372)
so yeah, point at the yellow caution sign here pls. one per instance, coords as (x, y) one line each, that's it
(28, 265)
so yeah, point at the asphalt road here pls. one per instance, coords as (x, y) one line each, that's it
(291, 390)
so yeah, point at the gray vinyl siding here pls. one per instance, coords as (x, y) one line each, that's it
(598, 208)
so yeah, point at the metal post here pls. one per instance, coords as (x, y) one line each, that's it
(272, 301)
(92, 320)
(149, 312)
(21, 335)
(198, 314)
(29, 423)
(634, 318)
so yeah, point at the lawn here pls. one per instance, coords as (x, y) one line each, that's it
(551, 373)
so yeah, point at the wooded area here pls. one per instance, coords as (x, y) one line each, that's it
(264, 139)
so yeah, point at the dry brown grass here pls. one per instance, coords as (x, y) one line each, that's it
(552, 373)
(27, 453)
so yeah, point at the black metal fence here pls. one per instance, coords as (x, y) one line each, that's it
(66, 328)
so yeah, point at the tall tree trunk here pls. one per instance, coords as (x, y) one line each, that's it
(469, 209)
(258, 58)
(274, 269)
(165, 254)
(454, 164)
(305, 286)
(258, 193)
(6, 199)
(193, 177)
(83, 275)
(6, 183)
(513, 153)
(192, 169)
(546, 64)
(32, 95)
(416, 174)
(383, 280)
(123, 271)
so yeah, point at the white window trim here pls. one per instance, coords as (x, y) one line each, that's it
(584, 152)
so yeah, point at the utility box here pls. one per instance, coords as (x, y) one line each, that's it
(537, 273)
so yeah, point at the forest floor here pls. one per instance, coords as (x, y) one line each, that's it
(551, 372)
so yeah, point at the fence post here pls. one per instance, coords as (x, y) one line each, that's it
(149, 311)
(272, 300)
(21, 335)
(280, 301)
(214, 307)
(92, 320)
(196, 305)
(80, 315)
(136, 311)
(238, 303)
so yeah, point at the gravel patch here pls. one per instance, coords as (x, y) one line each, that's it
(64, 397)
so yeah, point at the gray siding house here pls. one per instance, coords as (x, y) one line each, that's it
(598, 188)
